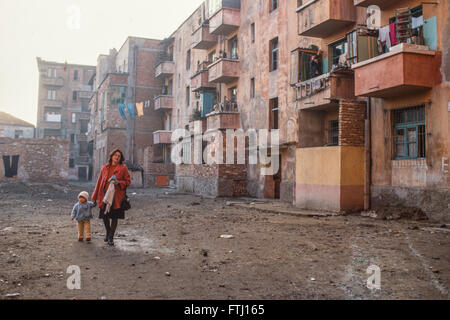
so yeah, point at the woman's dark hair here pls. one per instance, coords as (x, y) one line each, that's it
(122, 158)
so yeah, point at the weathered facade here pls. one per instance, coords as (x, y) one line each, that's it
(126, 77)
(63, 110)
(34, 160)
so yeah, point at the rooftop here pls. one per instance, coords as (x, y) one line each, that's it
(7, 119)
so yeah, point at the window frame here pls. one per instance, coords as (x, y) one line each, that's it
(418, 125)
(274, 54)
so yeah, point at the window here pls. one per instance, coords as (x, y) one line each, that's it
(83, 148)
(71, 163)
(212, 56)
(188, 60)
(72, 138)
(188, 96)
(186, 152)
(339, 52)
(252, 31)
(333, 133)
(51, 73)
(83, 126)
(299, 3)
(273, 105)
(274, 5)
(51, 94)
(252, 88)
(74, 96)
(75, 75)
(233, 46)
(18, 134)
(74, 118)
(274, 54)
(409, 133)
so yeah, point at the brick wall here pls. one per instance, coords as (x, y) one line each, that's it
(40, 160)
(351, 122)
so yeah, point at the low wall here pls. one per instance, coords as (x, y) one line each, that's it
(34, 160)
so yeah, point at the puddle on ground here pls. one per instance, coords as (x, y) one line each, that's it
(131, 241)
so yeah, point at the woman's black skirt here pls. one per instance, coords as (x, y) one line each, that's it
(113, 214)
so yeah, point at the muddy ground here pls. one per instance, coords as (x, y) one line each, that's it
(169, 247)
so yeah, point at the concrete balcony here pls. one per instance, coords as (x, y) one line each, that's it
(164, 103)
(53, 82)
(223, 120)
(202, 39)
(225, 21)
(51, 125)
(85, 94)
(162, 137)
(165, 69)
(224, 71)
(53, 103)
(381, 3)
(200, 81)
(324, 90)
(406, 69)
(322, 18)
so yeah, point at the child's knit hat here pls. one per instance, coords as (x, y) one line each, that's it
(84, 194)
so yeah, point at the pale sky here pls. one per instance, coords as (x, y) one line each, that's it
(44, 28)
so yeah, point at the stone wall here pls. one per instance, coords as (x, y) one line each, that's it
(39, 160)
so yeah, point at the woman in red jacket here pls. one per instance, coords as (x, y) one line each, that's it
(116, 172)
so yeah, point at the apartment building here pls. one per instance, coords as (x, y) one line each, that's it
(363, 121)
(63, 110)
(124, 115)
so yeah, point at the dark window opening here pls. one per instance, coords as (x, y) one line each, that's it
(252, 88)
(339, 53)
(333, 133)
(233, 46)
(71, 163)
(274, 5)
(75, 75)
(274, 54)
(188, 60)
(74, 96)
(253, 32)
(273, 105)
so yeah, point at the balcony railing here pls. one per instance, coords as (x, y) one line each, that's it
(407, 68)
(165, 69)
(224, 71)
(164, 102)
(225, 21)
(202, 39)
(200, 80)
(322, 90)
(322, 18)
(162, 137)
(53, 103)
(49, 81)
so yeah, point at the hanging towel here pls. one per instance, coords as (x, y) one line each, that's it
(417, 22)
(393, 33)
(122, 110)
(130, 107)
(140, 109)
(109, 197)
(384, 37)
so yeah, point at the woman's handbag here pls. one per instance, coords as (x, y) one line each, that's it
(126, 205)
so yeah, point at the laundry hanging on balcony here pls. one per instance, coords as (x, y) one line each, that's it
(130, 108)
(122, 110)
(140, 109)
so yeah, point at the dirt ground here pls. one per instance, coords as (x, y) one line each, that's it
(169, 247)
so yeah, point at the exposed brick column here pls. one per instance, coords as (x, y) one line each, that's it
(352, 115)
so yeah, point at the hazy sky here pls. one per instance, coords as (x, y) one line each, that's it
(46, 29)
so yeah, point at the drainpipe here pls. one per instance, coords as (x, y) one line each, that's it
(368, 151)
(134, 94)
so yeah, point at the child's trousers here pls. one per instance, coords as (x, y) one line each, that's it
(84, 227)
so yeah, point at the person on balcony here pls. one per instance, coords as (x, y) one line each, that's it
(314, 65)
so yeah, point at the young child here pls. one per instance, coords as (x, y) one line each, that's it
(82, 213)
